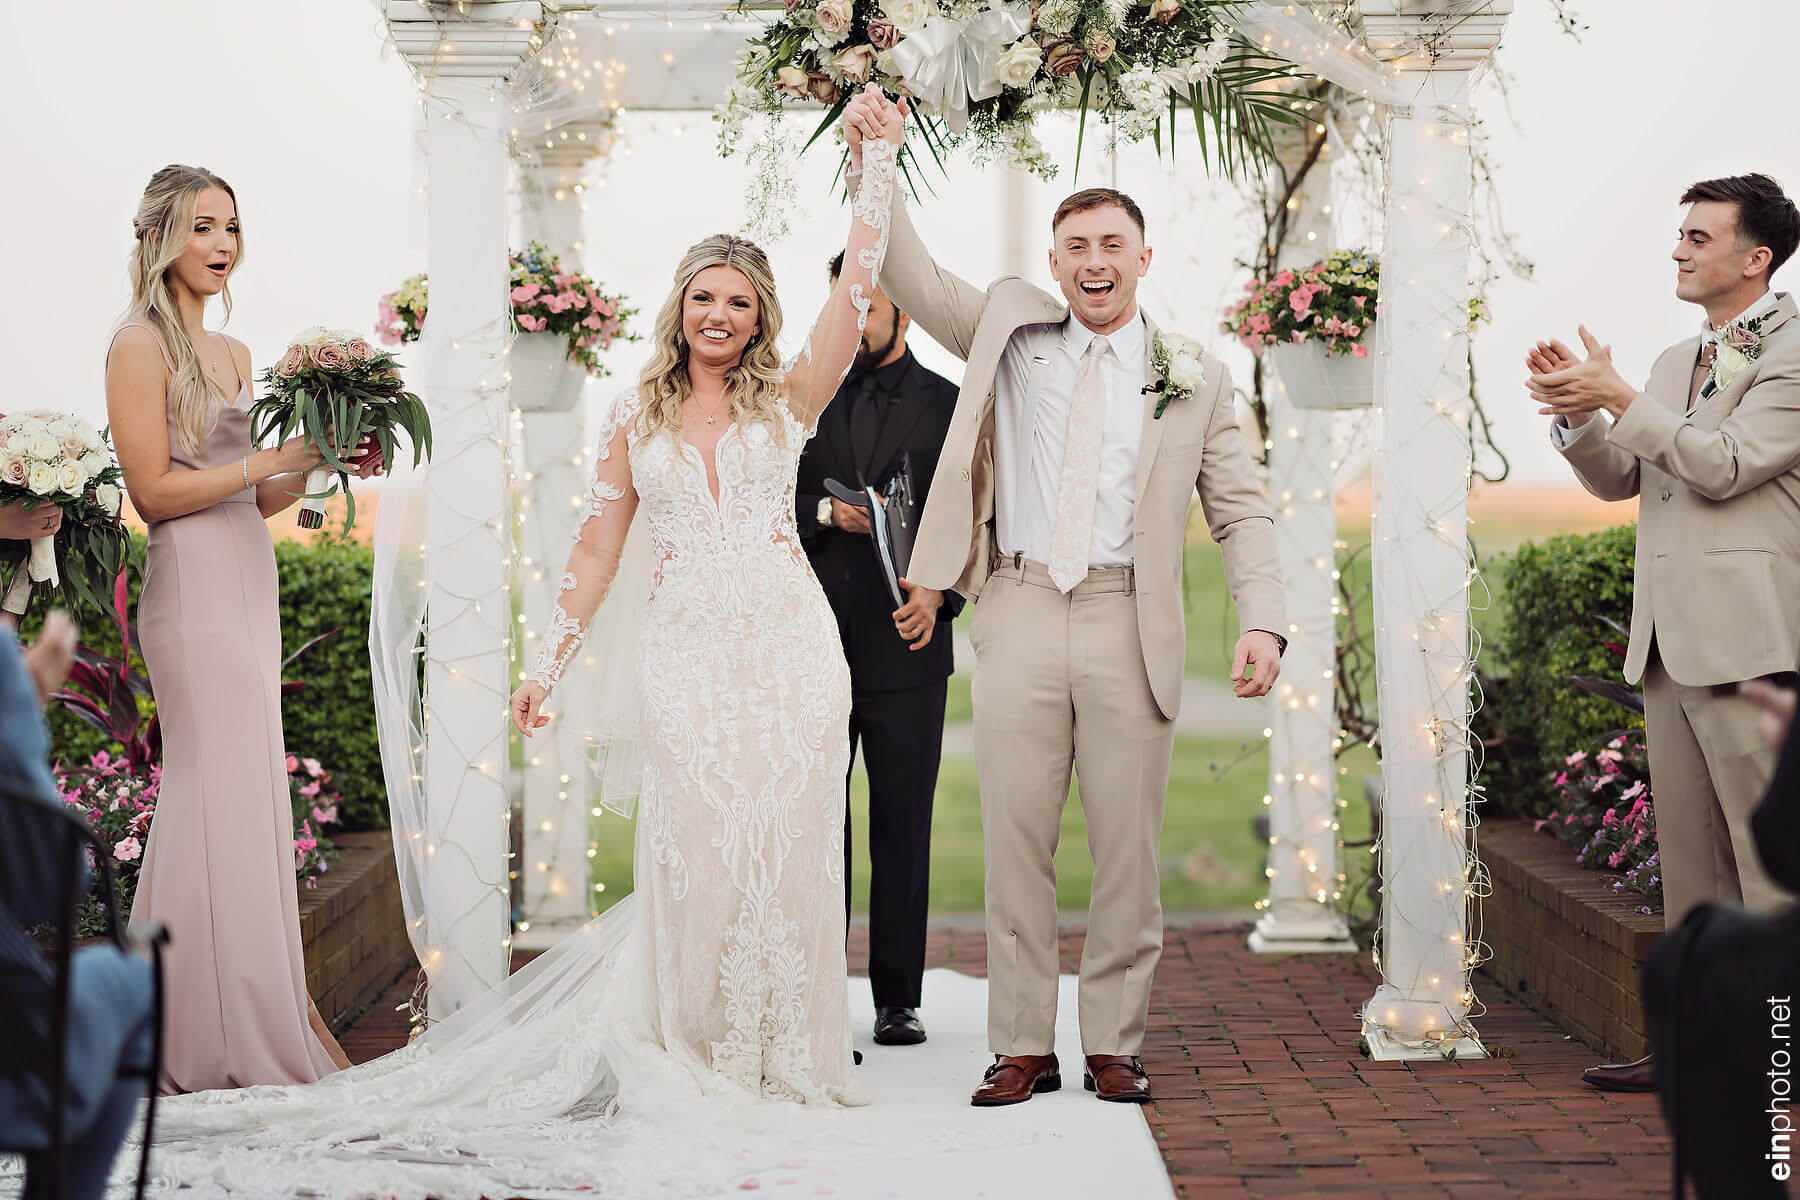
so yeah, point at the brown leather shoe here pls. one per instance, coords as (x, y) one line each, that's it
(1118, 1077)
(1015, 1078)
(1639, 1076)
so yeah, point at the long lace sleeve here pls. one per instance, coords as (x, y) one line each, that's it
(816, 372)
(605, 519)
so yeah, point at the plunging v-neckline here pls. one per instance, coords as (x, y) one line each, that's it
(709, 471)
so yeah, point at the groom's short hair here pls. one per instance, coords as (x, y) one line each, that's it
(1092, 198)
(1766, 217)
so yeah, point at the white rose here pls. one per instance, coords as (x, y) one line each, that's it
(43, 447)
(94, 462)
(42, 480)
(107, 495)
(1187, 372)
(909, 16)
(834, 19)
(1727, 364)
(70, 477)
(1018, 63)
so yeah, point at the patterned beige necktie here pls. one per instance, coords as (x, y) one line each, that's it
(1702, 372)
(1076, 491)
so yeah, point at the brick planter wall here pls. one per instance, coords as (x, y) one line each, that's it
(353, 928)
(1563, 941)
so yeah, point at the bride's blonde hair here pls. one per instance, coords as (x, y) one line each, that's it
(164, 225)
(757, 384)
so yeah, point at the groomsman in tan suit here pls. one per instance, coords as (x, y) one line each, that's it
(1711, 448)
(1060, 504)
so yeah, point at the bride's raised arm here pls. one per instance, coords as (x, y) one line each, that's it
(816, 372)
(600, 530)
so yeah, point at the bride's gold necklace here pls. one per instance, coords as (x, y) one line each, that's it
(714, 418)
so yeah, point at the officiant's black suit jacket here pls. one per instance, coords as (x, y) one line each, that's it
(915, 424)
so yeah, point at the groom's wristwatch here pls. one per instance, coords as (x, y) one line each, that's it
(824, 512)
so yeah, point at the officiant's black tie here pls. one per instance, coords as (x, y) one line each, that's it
(865, 426)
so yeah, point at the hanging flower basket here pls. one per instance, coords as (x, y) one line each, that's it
(544, 377)
(552, 307)
(1316, 379)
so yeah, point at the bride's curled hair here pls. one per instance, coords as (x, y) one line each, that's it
(757, 383)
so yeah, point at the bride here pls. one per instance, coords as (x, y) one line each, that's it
(721, 981)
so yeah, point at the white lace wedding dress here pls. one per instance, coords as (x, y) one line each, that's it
(639, 1057)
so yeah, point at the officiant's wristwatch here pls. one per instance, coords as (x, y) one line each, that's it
(824, 512)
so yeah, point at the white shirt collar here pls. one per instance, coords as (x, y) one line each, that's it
(1127, 341)
(1763, 304)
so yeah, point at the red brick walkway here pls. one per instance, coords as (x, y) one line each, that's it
(1261, 1090)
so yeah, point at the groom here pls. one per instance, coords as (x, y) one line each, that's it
(1061, 502)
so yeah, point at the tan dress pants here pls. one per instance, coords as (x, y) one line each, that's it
(1060, 683)
(1709, 768)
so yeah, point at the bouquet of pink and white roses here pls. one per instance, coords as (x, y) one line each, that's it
(54, 458)
(346, 397)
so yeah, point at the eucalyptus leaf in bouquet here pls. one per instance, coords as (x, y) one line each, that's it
(348, 400)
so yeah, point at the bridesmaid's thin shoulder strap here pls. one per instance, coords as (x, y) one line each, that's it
(154, 336)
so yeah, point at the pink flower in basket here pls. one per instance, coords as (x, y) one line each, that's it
(525, 293)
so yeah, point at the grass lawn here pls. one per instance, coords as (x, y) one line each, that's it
(1215, 793)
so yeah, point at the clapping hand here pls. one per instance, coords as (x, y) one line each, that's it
(1777, 704)
(1574, 388)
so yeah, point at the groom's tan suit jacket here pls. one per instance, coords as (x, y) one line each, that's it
(1718, 546)
(1195, 445)
(1716, 597)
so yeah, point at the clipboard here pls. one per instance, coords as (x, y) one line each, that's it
(893, 523)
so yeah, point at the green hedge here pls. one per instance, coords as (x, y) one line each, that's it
(1554, 593)
(324, 585)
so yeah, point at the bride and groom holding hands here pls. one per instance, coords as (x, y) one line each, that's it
(1059, 509)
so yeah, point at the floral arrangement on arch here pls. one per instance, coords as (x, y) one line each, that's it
(545, 299)
(981, 70)
(1604, 811)
(118, 801)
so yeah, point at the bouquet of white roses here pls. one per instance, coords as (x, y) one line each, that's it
(344, 395)
(54, 458)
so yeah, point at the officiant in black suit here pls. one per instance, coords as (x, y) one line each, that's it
(890, 416)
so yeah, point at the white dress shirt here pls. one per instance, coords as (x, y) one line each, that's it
(1034, 389)
(1560, 433)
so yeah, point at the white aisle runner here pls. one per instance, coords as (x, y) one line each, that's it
(1060, 1144)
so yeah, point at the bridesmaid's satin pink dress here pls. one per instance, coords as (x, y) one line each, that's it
(219, 867)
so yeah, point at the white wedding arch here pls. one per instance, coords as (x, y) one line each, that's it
(530, 86)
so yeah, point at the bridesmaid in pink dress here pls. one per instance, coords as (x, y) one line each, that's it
(219, 869)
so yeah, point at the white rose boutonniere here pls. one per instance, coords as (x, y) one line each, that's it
(1738, 347)
(1181, 363)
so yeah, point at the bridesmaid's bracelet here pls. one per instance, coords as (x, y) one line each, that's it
(247, 472)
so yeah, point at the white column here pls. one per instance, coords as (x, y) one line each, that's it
(1301, 912)
(462, 55)
(1421, 563)
(553, 458)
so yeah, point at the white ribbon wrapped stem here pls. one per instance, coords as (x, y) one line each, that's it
(949, 63)
(43, 560)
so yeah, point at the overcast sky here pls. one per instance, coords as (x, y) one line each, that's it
(307, 116)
